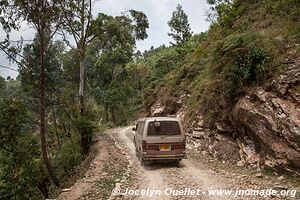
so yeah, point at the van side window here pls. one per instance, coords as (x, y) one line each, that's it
(140, 127)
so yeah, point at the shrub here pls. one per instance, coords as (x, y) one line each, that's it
(251, 64)
(70, 151)
(19, 153)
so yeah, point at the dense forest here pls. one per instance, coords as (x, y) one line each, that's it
(93, 78)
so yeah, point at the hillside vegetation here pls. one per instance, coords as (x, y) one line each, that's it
(245, 47)
(207, 80)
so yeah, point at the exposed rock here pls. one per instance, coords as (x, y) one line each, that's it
(223, 127)
(66, 190)
(158, 112)
(200, 123)
(181, 114)
(271, 116)
(168, 107)
(198, 129)
(240, 163)
(204, 153)
(269, 164)
(280, 178)
(198, 134)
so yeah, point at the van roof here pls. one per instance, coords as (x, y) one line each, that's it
(158, 119)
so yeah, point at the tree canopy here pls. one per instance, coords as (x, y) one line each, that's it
(179, 25)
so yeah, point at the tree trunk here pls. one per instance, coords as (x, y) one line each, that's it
(44, 145)
(81, 86)
(113, 115)
(55, 125)
(43, 183)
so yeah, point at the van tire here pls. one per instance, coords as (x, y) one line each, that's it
(177, 163)
(145, 163)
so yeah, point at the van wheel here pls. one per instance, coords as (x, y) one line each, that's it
(145, 162)
(176, 163)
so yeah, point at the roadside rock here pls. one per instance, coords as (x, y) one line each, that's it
(158, 111)
(165, 108)
(270, 116)
(198, 134)
(223, 127)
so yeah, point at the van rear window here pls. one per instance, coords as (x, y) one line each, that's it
(165, 128)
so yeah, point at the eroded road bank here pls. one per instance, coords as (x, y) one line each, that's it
(116, 173)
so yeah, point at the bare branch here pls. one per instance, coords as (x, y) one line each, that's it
(69, 23)
(88, 23)
(6, 67)
(63, 34)
(11, 57)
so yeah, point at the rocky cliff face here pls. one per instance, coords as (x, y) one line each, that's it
(264, 125)
(270, 116)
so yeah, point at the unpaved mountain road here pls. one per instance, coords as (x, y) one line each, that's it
(116, 173)
(166, 181)
(159, 177)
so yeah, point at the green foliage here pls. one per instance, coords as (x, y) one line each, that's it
(13, 89)
(250, 65)
(179, 25)
(110, 81)
(19, 153)
(11, 127)
(86, 128)
(288, 9)
(226, 11)
(164, 61)
(140, 24)
(244, 59)
(2, 85)
(286, 13)
(87, 125)
(120, 31)
(29, 72)
(70, 151)
(236, 63)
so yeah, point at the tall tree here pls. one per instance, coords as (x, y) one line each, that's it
(77, 19)
(116, 41)
(179, 25)
(29, 73)
(43, 16)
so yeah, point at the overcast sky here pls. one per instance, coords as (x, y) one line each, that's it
(158, 12)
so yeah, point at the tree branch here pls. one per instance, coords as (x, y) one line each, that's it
(8, 68)
(10, 56)
(88, 23)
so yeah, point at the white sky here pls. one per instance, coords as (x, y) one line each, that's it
(158, 12)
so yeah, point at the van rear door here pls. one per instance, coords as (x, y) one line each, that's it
(164, 138)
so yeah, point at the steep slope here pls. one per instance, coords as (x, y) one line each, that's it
(271, 115)
(239, 86)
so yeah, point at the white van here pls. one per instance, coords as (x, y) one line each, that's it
(159, 139)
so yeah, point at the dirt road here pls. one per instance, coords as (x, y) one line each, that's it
(116, 173)
(163, 177)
